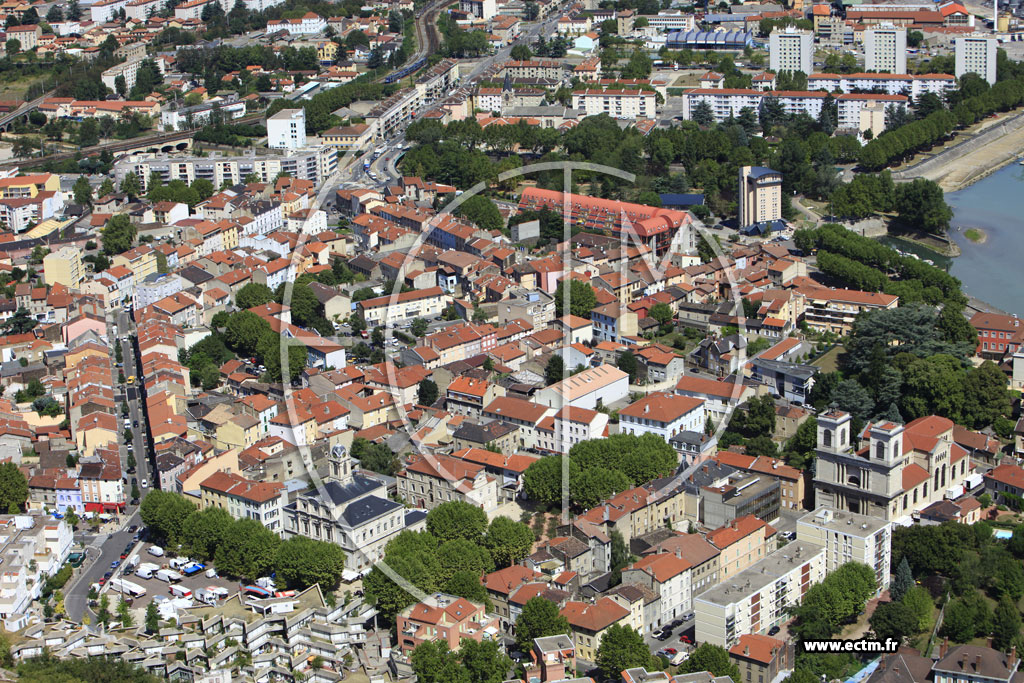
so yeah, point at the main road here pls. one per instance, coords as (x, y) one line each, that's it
(102, 549)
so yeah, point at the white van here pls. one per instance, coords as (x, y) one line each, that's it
(179, 562)
(678, 658)
(156, 551)
(211, 573)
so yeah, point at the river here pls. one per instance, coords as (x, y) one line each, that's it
(991, 271)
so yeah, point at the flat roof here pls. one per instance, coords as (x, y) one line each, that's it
(844, 522)
(762, 574)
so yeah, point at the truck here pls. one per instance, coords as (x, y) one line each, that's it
(130, 564)
(156, 551)
(211, 594)
(179, 591)
(168, 575)
(127, 587)
(146, 570)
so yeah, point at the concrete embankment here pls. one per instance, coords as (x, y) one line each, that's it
(972, 159)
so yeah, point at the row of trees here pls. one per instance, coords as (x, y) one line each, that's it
(900, 143)
(458, 547)
(909, 278)
(242, 548)
(600, 468)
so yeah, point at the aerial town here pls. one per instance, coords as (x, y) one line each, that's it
(511, 341)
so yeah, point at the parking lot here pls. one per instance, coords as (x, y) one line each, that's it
(155, 586)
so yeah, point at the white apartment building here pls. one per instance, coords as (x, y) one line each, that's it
(104, 10)
(725, 103)
(663, 414)
(33, 547)
(481, 9)
(891, 84)
(619, 104)
(791, 50)
(848, 537)
(885, 49)
(129, 70)
(671, 20)
(976, 54)
(667, 575)
(421, 303)
(307, 164)
(560, 432)
(140, 10)
(309, 23)
(756, 599)
(287, 129)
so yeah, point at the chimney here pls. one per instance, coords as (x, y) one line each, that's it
(977, 662)
(1011, 661)
(990, 642)
(944, 647)
(746, 650)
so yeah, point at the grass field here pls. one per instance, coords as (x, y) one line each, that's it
(830, 361)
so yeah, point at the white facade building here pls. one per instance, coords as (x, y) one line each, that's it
(848, 537)
(891, 84)
(885, 49)
(725, 103)
(791, 50)
(663, 414)
(757, 598)
(618, 104)
(589, 389)
(976, 54)
(104, 10)
(287, 129)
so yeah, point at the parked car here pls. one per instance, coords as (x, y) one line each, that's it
(773, 630)
(685, 639)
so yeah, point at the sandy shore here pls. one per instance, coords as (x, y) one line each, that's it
(978, 162)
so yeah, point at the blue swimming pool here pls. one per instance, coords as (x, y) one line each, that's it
(1002, 534)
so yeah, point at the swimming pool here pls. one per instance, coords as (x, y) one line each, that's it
(1003, 534)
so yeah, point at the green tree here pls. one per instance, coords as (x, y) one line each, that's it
(457, 519)
(711, 658)
(554, 371)
(902, 581)
(152, 618)
(582, 298)
(482, 212)
(508, 541)
(484, 662)
(82, 191)
(427, 392)
(463, 555)
(301, 562)
(521, 53)
(626, 362)
(922, 204)
(165, 512)
(248, 550)
(538, 619)
(103, 613)
(118, 235)
(13, 46)
(13, 488)
(433, 662)
(124, 614)
(244, 332)
(893, 620)
(376, 457)
(919, 601)
(966, 617)
(621, 648)
(204, 530)
(252, 295)
(131, 185)
(418, 328)
(1006, 625)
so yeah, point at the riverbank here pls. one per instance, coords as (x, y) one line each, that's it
(975, 158)
(943, 246)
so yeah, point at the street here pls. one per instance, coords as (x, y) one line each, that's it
(103, 548)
